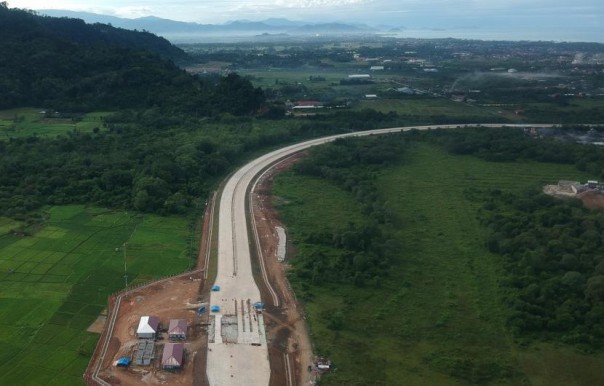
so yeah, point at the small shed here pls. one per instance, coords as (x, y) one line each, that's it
(177, 329)
(172, 357)
(147, 327)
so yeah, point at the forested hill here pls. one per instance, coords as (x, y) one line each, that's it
(69, 65)
(18, 23)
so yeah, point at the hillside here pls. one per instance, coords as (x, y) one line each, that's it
(66, 64)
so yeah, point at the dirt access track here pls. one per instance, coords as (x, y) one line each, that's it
(290, 349)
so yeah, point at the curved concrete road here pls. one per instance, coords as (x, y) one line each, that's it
(237, 352)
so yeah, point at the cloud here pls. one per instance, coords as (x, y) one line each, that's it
(318, 3)
(133, 11)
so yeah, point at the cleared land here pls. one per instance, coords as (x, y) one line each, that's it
(438, 318)
(55, 284)
(174, 298)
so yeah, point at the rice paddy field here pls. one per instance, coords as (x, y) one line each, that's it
(54, 284)
(438, 318)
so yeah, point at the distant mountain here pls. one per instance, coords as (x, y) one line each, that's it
(332, 28)
(174, 30)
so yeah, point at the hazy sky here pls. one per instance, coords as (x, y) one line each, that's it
(559, 16)
(207, 11)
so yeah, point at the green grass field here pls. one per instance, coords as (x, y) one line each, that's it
(55, 283)
(438, 319)
(26, 122)
(422, 107)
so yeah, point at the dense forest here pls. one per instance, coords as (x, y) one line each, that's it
(553, 255)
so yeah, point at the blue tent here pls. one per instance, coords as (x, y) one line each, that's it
(215, 308)
(201, 310)
(216, 288)
(258, 305)
(124, 361)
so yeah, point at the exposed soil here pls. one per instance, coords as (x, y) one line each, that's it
(98, 325)
(175, 298)
(286, 328)
(592, 200)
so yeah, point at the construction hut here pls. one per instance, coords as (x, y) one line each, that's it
(147, 327)
(172, 357)
(177, 329)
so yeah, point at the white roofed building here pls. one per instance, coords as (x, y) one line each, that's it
(147, 327)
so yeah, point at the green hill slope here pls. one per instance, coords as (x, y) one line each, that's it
(69, 65)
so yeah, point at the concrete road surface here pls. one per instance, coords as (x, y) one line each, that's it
(237, 352)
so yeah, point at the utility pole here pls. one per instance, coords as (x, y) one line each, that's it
(125, 246)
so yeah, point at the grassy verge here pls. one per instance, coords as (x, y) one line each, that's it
(438, 317)
(56, 282)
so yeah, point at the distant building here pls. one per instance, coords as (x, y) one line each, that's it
(376, 68)
(177, 329)
(359, 76)
(371, 96)
(172, 358)
(147, 327)
(304, 105)
(405, 90)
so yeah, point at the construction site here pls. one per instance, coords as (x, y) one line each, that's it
(215, 322)
(591, 193)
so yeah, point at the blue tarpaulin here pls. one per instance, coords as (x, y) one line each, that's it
(124, 361)
(258, 305)
(216, 288)
(201, 310)
(215, 308)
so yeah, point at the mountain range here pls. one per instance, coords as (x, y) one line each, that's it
(183, 31)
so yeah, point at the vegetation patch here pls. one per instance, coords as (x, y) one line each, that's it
(28, 122)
